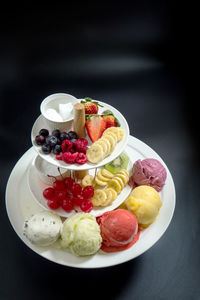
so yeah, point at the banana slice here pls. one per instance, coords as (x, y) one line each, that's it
(107, 174)
(107, 144)
(122, 177)
(124, 172)
(103, 144)
(120, 182)
(109, 197)
(95, 153)
(120, 133)
(114, 193)
(115, 136)
(99, 198)
(113, 130)
(111, 141)
(101, 177)
(113, 183)
(87, 180)
(100, 182)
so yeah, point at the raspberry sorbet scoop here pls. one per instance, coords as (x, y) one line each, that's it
(119, 230)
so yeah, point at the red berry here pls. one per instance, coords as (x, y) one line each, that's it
(53, 204)
(86, 205)
(81, 159)
(88, 192)
(67, 204)
(70, 158)
(77, 200)
(60, 195)
(81, 145)
(66, 146)
(49, 193)
(68, 182)
(59, 185)
(76, 189)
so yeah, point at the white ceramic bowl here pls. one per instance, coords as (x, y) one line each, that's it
(52, 102)
(44, 168)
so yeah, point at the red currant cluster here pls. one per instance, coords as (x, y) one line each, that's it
(73, 152)
(68, 194)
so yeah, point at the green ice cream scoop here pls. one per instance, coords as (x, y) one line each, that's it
(81, 233)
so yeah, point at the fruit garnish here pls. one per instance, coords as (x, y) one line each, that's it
(88, 192)
(91, 107)
(67, 204)
(40, 139)
(49, 193)
(81, 158)
(95, 126)
(76, 189)
(86, 205)
(53, 204)
(111, 120)
(44, 132)
(59, 185)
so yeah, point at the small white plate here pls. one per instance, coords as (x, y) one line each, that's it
(37, 186)
(40, 123)
(20, 205)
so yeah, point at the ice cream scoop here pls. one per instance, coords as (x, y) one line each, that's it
(119, 230)
(81, 233)
(144, 202)
(43, 228)
(149, 172)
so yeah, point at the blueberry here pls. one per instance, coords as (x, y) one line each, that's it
(40, 139)
(72, 135)
(57, 149)
(46, 148)
(44, 132)
(56, 133)
(51, 140)
(64, 136)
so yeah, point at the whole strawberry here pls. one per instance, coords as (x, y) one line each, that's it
(91, 107)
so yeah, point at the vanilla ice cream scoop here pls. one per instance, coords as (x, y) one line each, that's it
(43, 228)
(145, 203)
(81, 233)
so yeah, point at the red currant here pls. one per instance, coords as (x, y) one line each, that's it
(59, 185)
(88, 192)
(53, 203)
(60, 195)
(76, 189)
(86, 205)
(49, 193)
(67, 204)
(68, 182)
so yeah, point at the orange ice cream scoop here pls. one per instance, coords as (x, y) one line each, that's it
(119, 230)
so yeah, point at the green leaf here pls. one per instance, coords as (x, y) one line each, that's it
(118, 123)
(107, 113)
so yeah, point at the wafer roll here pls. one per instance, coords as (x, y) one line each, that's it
(79, 120)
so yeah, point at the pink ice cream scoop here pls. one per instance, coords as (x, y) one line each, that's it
(149, 172)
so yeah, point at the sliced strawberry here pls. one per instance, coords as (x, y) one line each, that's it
(95, 126)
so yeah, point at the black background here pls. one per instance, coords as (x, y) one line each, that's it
(137, 56)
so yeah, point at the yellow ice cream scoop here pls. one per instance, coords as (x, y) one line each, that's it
(144, 202)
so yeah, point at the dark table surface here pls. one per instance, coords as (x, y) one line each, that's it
(132, 58)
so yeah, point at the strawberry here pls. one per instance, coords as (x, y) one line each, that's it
(95, 126)
(110, 121)
(91, 107)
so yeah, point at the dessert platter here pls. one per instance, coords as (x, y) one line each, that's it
(87, 194)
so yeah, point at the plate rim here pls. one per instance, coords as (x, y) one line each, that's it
(108, 263)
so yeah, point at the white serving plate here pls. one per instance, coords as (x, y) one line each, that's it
(40, 123)
(20, 205)
(37, 186)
